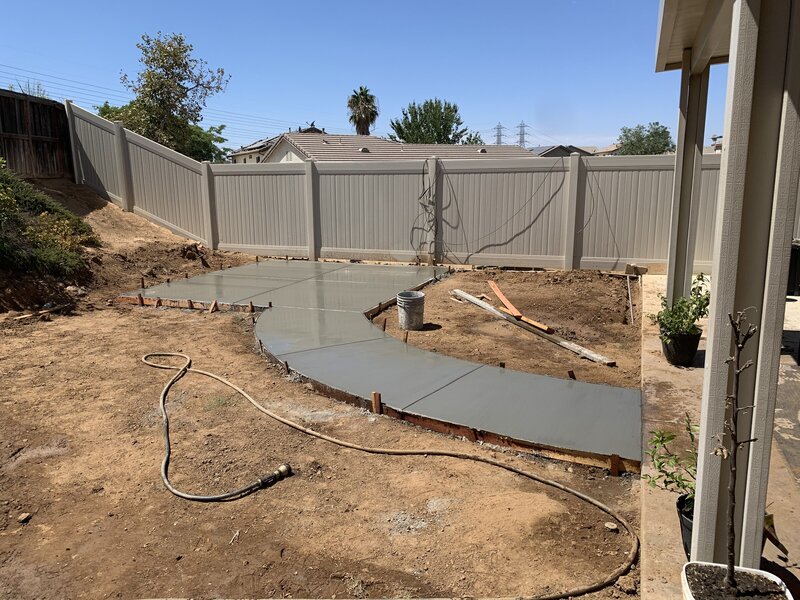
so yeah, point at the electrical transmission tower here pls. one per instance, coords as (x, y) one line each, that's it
(522, 127)
(498, 134)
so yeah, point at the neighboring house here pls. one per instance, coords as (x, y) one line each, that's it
(611, 150)
(296, 147)
(255, 152)
(252, 153)
(558, 150)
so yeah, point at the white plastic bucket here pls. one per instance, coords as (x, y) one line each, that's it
(410, 310)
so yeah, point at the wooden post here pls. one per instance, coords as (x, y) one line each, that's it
(142, 282)
(405, 336)
(286, 366)
(501, 364)
(250, 307)
(384, 324)
(189, 304)
(615, 465)
(158, 302)
(213, 308)
(377, 405)
(139, 299)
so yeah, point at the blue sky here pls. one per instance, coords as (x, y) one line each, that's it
(574, 71)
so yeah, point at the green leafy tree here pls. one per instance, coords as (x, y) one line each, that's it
(473, 138)
(171, 90)
(651, 139)
(432, 122)
(363, 109)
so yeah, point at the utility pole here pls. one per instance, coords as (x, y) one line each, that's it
(498, 134)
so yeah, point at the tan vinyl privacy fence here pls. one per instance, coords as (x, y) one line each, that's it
(573, 212)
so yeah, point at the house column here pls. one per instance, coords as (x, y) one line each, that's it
(688, 173)
(755, 216)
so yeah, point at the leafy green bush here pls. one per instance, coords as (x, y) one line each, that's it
(37, 233)
(675, 472)
(684, 313)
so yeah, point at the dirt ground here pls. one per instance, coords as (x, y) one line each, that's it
(589, 308)
(81, 447)
(132, 248)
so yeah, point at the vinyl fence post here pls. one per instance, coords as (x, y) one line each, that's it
(209, 204)
(573, 216)
(73, 142)
(123, 167)
(433, 212)
(312, 210)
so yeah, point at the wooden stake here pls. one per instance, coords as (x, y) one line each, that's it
(250, 307)
(142, 282)
(377, 405)
(571, 374)
(213, 308)
(185, 275)
(502, 365)
(384, 324)
(189, 304)
(256, 258)
(158, 302)
(139, 299)
(615, 465)
(286, 366)
(405, 336)
(269, 304)
(168, 279)
(501, 296)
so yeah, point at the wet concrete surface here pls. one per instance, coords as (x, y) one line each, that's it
(317, 325)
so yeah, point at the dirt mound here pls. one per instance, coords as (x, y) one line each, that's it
(131, 248)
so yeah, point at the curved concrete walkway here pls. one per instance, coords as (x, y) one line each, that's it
(316, 323)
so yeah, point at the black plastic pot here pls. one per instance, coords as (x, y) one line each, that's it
(681, 348)
(685, 508)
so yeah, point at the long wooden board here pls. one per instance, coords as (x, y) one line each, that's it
(537, 324)
(506, 302)
(567, 345)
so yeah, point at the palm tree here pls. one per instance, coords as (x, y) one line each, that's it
(363, 109)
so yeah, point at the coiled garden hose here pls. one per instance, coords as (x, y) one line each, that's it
(285, 470)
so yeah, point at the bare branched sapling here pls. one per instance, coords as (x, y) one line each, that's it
(742, 332)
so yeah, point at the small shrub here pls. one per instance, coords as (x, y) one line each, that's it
(37, 233)
(682, 316)
(675, 472)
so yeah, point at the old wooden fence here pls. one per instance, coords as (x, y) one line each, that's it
(34, 136)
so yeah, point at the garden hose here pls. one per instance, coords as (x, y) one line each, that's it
(285, 470)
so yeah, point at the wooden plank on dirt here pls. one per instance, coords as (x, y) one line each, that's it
(537, 324)
(559, 341)
(506, 302)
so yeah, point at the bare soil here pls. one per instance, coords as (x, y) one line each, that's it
(81, 447)
(589, 308)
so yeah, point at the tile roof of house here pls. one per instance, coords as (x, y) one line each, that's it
(330, 147)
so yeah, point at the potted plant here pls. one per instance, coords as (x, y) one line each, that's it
(711, 581)
(676, 472)
(679, 332)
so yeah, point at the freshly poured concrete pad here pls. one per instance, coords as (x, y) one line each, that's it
(317, 325)
(525, 406)
(292, 330)
(401, 373)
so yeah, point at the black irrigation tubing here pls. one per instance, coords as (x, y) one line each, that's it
(285, 470)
